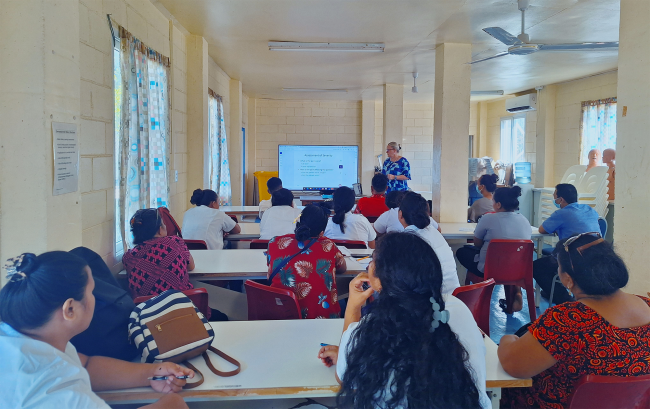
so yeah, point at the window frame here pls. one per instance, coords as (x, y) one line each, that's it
(511, 156)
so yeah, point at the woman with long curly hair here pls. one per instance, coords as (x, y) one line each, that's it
(417, 348)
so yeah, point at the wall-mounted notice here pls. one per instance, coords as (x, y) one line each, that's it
(66, 158)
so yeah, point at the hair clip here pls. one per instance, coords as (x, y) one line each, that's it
(11, 266)
(438, 315)
(296, 219)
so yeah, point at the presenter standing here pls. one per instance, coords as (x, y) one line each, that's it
(396, 168)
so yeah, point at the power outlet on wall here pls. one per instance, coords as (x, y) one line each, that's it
(175, 176)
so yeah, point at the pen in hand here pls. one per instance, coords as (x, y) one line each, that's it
(164, 378)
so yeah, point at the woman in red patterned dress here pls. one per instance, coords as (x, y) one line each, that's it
(158, 262)
(604, 332)
(312, 273)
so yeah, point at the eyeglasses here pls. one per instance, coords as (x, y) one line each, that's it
(580, 249)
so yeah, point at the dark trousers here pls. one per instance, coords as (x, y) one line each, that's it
(544, 270)
(465, 257)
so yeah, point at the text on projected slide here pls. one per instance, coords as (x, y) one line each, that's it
(318, 166)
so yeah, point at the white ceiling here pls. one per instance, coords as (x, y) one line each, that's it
(238, 31)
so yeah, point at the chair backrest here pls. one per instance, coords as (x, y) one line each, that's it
(172, 227)
(196, 244)
(477, 298)
(574, 174)
(198, 296)
(612, 392)
(602, 223)
(351, 244)
(269, 303)
(593, 179)
(509, 261)
(259, 244)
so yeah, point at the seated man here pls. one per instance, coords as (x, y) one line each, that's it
(571, 219)
(375, 205)
(272, 185)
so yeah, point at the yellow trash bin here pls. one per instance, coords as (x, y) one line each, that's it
(262, 177)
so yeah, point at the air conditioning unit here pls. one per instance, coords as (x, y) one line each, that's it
(523, 103)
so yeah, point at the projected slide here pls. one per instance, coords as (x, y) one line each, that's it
(317, 166)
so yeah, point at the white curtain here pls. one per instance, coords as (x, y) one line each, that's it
(597, 127)
(144, 139)
(219, 168)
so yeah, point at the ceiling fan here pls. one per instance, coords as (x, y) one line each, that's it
(520, 45)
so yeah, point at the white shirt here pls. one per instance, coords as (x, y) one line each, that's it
(264, 206)
(444, 253)
(34, 374)
(463, 325)
(207, 224)
(388, 222)
(356, 226)
(278, 221)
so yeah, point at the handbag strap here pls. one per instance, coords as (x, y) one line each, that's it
(228, 358)
(206, 358)
(287, 260)
(196, 371)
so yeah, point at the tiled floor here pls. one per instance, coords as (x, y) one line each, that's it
(501, 323)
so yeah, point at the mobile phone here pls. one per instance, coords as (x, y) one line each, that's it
(365, 285)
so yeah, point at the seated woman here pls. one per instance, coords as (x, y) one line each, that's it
(206, 222)
(604, 332)
(307, 263)
(505, 224)
(389, 222)
(345, 225)
(158, 262)
(414, 216)
(47, 300)
(279, 219)
(486, 185)
(417, 348)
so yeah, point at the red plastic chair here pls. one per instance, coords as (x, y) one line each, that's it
(351, 244)
(199, 297)
(510, 262)
(172, 227)
(611, 392)
(259, 244)
(196, 244)
(477, 298)
(269, 303)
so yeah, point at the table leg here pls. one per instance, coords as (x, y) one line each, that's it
(538, 293)
(495, 397)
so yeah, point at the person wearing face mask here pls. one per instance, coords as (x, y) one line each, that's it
(486, 186)
(505, 224)
(570, 219)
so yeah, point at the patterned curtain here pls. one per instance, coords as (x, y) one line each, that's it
(145, 137)
(597, 127)
(219, 169)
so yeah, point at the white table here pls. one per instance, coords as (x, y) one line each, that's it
(242, 264)
(249, 231)
(279, 361)
(240, 210)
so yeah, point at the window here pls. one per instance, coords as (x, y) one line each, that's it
(513, 139)
(141, 132)
(597, 127)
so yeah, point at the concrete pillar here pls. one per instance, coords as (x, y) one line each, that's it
(367, 144)
(235, 147)
(197, 114)
(393, 114)
(451, 108)
(545, 140)
(251, 153)
(631, 234)
(482, 130)
(39, 84)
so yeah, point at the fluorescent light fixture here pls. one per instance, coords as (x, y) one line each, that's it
(315, 89)
(297, 46)
(496, 92)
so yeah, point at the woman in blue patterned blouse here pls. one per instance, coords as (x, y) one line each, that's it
(396, 168)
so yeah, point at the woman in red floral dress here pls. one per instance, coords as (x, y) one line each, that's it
(311, 275)
(604, 332)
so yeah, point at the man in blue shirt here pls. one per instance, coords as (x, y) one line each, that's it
(572, 218)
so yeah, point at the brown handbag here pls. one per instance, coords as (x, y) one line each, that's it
(169, 328)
